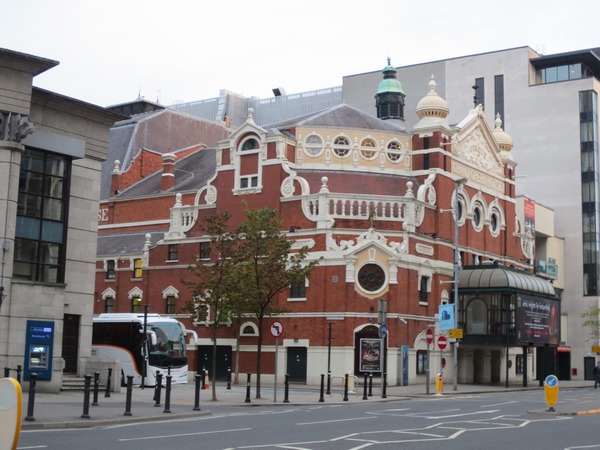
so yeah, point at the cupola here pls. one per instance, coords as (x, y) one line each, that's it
(389, 99)
(432, 105)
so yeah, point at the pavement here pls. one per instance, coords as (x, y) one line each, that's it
(68, 409)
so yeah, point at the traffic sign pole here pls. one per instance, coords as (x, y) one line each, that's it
(276, 331)
(429, 336)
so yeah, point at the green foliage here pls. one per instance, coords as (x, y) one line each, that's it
(591, 320)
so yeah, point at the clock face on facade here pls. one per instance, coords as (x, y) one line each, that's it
(371, 277)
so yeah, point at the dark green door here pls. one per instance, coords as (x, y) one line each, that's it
(296, 364)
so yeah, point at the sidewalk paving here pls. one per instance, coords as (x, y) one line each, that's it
(66, 409)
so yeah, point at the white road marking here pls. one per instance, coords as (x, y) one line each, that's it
(168, 436)
(498, 404)
(332, 421)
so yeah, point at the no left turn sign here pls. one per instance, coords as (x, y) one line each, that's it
(276, 329)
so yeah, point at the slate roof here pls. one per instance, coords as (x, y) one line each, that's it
(191, 173)
(340, 116)
(159, 131)
(129, 244)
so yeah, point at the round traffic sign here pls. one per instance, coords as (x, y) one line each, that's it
(276, 329)
(442, 342)
(429, 335)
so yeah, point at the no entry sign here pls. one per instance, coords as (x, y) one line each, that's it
(442, 342)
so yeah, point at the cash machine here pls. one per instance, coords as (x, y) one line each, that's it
(38, 349)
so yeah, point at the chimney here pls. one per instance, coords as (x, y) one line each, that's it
(116, 179)
(168, 176)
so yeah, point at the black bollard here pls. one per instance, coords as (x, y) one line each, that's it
(321, 398)
(203, 378)
(229, 378)
(6, 372)
(31, 400)
(157, 389)
(365, 388)
(108, 379)
(248, 390)
(197, 393)
(19, 374)
(345, 387)
(168, 395)
(383, 389)
(96, 386)
(86, 397)
(370, 384)
(328, 392)
(286, 392)
(128, 396)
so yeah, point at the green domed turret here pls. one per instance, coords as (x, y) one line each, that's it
(389, 99)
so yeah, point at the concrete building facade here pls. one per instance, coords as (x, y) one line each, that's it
(51, 151)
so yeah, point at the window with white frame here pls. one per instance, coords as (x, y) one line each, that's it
(342, 146)
(249, 181)
(248, 329)
(368, 148)
(313, 145)
(111, 269)
(394, 152)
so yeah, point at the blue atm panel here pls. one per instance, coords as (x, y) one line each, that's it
(38, 349)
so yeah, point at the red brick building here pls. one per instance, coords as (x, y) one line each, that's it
(378, 203)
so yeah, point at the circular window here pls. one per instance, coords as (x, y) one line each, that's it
(368, 148)
(313, 145)
(494, 223)
(371, 277)
(341, 146)
(394, 151)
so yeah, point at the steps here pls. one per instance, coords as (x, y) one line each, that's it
(74, 383)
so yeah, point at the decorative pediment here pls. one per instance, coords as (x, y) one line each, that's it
(479, 150)
(366, 239)
(109, 293)
(170, 292)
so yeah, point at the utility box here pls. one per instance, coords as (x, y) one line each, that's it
(39, 349)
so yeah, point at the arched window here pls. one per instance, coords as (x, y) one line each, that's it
(477, 317)
(250, 144)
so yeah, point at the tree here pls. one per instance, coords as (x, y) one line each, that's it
(214, 289)
(265, 267)
(591, 319)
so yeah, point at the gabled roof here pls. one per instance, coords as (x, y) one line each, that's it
(340, 116)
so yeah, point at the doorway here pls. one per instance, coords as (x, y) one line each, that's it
(296, 364)
(204, 361)
(478, 368)
(70, 342)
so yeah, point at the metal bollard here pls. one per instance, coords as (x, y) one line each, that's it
(6, 372)
(203, 378)
(321, 398)
(384, 387)
(157, 389)
(128, 396)
(370, 384)
(31, 400)
(96, 386)
(19, 374)
(168, 395)
(247, 390)
(345, 387)
(286, 392)
(365, 388)
(328, 392)
(108, 379)
(86, 397)
(197, 380)
(229, 378)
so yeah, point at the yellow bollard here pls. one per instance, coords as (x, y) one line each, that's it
(439, 383)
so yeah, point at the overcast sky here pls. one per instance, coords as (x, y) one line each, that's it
(186, 50)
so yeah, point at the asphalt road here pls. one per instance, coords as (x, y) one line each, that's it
(490, 421)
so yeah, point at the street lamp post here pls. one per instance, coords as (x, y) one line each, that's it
(329, 360)
(457, 184)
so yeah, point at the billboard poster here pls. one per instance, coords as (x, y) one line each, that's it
(538, 320)
(370, 355)
(446, 315)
